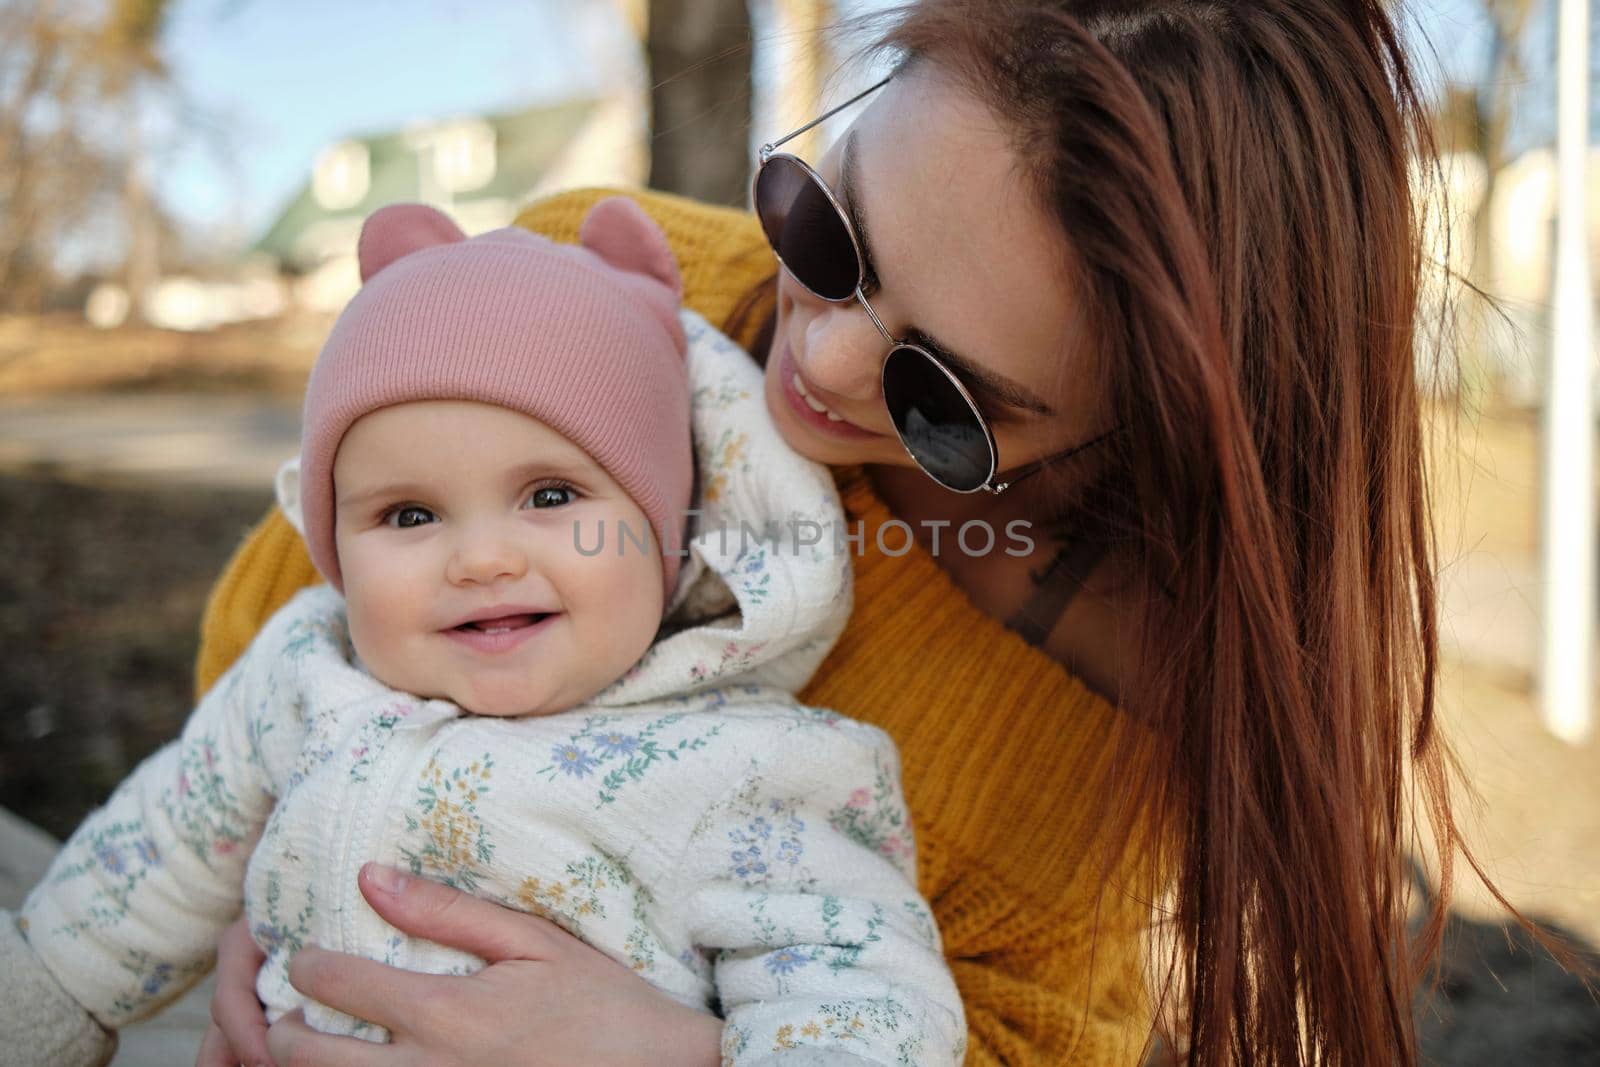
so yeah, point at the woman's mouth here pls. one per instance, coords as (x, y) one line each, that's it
(812, 402)
(808, 408)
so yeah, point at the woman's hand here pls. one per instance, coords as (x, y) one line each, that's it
(544, 998)
(238, 1030)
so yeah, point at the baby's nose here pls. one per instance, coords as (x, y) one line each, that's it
(483, 556)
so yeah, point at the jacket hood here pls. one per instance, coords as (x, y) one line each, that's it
(765, 588)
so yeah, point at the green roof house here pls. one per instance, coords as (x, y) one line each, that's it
(479, 170)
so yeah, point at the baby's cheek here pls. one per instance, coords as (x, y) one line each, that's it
(377, 635)
(634, 600)
(369, 646)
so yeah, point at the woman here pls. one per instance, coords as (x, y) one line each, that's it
(1154, 262)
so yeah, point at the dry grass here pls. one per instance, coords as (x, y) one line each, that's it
(52, 354)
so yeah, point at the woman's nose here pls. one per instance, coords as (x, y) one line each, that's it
(843, 351)
(484, 555)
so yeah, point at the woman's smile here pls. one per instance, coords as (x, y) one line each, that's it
(807, 407)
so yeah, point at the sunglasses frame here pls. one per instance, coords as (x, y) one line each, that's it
(768, 154)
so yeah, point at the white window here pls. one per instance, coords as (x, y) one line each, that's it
(341, 176)
(463, 156)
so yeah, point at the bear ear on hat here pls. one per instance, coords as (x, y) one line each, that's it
(628, 240)
(400, 229)
(619, 232)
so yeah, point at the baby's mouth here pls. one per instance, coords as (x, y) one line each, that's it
(503, 624)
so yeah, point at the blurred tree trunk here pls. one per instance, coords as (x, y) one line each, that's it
(141, 269)
(699, 57)
(132, 36)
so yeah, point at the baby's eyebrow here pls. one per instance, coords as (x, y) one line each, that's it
(387, 491)
(570, 470)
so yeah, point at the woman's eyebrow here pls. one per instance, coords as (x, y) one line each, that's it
(847, 186)
(1012, 394)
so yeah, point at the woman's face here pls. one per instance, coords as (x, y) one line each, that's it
(961, 259)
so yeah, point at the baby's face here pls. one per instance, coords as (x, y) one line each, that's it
(454, 523)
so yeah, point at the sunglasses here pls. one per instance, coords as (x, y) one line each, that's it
(935, 417)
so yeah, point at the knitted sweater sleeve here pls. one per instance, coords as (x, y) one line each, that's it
(1043, 983)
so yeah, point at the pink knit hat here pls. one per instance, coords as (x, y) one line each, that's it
(585, 338)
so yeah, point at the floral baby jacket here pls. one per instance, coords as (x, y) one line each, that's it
(694, 821)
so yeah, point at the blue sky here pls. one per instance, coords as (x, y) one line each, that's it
(281, 79)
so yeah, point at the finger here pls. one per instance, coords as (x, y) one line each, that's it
(292, 1042)
(367, 989)
(234, 1007)
(438, 913)
(214, 1050)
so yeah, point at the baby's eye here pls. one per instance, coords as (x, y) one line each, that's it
(551, 496)
(408, 516)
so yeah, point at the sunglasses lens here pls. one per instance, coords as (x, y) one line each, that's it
(937, 423)
(806, 230)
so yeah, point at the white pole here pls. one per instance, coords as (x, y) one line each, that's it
(1569, 500)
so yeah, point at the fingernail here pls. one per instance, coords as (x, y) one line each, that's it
(387, 879)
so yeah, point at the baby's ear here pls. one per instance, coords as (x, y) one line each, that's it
(400, 229)
(620, 233)
(287, 487)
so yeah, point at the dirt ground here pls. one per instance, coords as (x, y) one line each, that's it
(103, 585)
(99, 603)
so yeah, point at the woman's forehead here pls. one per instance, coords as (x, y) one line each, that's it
(962, 246)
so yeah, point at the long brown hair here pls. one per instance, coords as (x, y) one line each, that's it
(1234, 184)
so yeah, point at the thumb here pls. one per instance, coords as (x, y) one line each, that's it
(450, 917)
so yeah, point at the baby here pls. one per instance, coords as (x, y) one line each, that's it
(508, 686)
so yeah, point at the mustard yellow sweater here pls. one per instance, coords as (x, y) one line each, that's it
(1000, 745)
